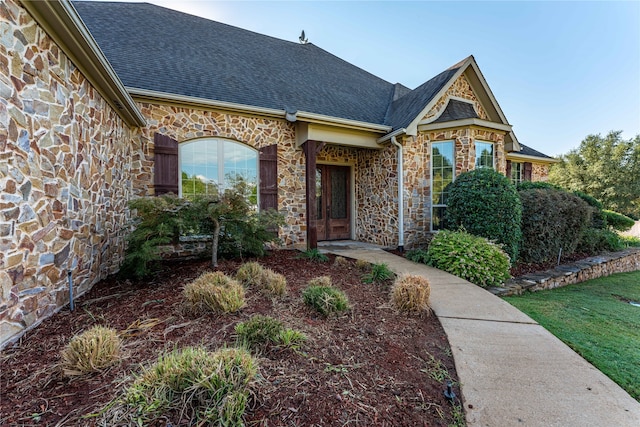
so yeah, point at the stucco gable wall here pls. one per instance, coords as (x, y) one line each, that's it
(461, 88)
(64, 177)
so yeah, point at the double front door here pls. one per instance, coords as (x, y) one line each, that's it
(333, 201)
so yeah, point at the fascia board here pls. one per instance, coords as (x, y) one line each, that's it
(427, 126)
(518, 156)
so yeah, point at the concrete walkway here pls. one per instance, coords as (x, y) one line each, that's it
(512, 371)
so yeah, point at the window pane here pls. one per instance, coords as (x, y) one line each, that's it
(442, 174)
(437, 218)
(338, 194)
(484, 155)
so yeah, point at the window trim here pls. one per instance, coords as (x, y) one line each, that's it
(220, 148)
(493, 153)
(453, 178)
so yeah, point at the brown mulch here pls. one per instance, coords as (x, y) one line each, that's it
(369, 367)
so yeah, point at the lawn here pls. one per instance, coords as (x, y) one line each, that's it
(595, 319)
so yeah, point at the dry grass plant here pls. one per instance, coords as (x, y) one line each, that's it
(214, 292)
(320, 281)
(410, 294)
(250, 274)
(273, 283)
(341, 262)
(363, 265)
(93, 350)
(192, 384)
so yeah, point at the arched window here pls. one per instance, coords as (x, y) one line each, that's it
(209, 165)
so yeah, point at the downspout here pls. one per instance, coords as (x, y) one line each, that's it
(400, 195)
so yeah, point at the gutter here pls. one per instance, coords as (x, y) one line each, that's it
(400, 194)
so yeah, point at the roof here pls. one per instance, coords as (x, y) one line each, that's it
(457, 110)
(225, 63)
(528, 151)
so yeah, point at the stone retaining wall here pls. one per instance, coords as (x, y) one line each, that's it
(576, 272)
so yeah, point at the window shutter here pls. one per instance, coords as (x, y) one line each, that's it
(508, 173)
(165, 176)
(527, 171)
(269, 177)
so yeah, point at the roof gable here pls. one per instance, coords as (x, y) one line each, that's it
(457, 110)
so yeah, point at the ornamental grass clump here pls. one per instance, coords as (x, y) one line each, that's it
(273, 283)
(213, 292)
(410, 294)
(472, 258)
(192, 385)
(93, 350)
(264, 331)
(379, 273)
(325, 298)
(250, 274)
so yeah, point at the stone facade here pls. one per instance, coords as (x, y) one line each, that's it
(65, 176)
(461, 88)
(576, 272)
(539, 171)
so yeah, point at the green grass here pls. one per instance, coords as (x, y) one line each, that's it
(596, 320)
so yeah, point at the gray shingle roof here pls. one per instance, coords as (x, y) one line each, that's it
(528, 151)
(155, 48)
(457, 110)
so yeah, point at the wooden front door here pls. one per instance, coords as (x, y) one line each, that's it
(333, 201)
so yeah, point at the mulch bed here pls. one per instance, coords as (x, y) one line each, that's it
(369, 367)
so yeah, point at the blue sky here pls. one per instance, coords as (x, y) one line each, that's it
(559, 70)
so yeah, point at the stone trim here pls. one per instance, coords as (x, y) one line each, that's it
(576, 272)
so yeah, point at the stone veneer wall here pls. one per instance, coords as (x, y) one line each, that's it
(461, 88)
(185, 124)
(539, 172)
(64, 177)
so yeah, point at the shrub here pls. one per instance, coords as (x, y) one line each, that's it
(617, 221)
(363, 265)
(155, 223)
(410, 294)
(250, 274)
(472, 258)
(273, 283)
(379, 273)
(554, 219)
(320, 281)
(261, 331)
(191, 384)
(536, 185)
(313, 255)
(325, 299)
(341, 262)
(93, 350)
(418, 255)
(596, 240)
(258, 331)
(215, 292)
(486, 204)
(598, 219)
(630, 241)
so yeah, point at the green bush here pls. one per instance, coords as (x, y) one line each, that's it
(598, 218)
(418, 255)
(617, 221)
(539, 185)
(192, 385)
(379, 273)
(155, 223)
(325, 299)
(591, 201)
(313, 255)
(262, 331)
(486, 204)
(470, 257)
(630, 241)
(596, 240)
(555, 219)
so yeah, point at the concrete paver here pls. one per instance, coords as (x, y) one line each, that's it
(512, 371)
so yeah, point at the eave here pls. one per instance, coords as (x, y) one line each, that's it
(471, 122)
(524, 157)
(61, 22)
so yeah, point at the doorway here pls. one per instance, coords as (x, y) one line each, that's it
(333, 202)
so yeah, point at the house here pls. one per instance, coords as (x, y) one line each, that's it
(104, 102)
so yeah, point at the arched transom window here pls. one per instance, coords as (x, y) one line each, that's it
(211, 164)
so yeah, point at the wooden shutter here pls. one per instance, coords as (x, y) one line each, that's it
(508, 173)
(269, 177)
(527, 171)
(165, 175)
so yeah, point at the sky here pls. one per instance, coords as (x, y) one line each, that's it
(559, 70)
